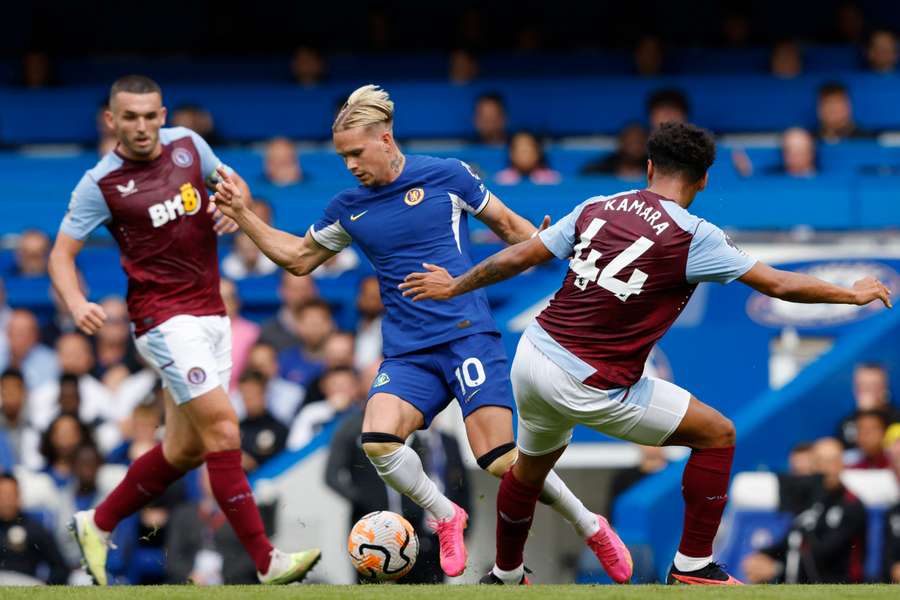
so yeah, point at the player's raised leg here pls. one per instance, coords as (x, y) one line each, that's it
(388, 421)
(704, 487)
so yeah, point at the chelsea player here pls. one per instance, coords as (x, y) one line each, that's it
(411, 210)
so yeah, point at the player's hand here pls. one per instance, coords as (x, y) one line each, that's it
(89, 317)
(228, 197)
(436, 284)
(868, 289)
(222, 224)
(544, 224)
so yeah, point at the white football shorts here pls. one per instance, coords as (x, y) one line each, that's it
(551, 402)
(192, 355)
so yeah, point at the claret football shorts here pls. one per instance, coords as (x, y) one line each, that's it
(551, 402)
(192, 355)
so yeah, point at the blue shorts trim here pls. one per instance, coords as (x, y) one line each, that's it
(473, 369)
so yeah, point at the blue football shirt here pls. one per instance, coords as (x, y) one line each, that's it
(420, 217)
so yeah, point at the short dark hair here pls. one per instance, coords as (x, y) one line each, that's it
(832, 87)
(8, 476)
(876, 413)
(681, 149)
(492, 97)
(802, 447)
(134, 84)
(314, 303)
(669, 97)
(252, 375)
(12, 373)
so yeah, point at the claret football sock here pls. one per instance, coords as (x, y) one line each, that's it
(402, 470)
(233, 494)
(704, 486)
(147, 478)
(560, 498)
(515, 512)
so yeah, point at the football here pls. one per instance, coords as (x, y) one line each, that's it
(383, 546)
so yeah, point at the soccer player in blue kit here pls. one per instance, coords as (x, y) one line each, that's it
(411, 210)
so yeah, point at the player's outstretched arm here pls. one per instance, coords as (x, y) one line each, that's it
(511, 227)
(797, 287)
(438, 284)
(297, 255)
(89, 317)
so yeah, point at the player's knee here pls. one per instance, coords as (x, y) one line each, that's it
(499, 460)
(721, 433)
(377, 444)
(222, 435)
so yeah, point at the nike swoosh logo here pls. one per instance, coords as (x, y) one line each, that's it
(355, 217)
(168, 364)
(472, 395)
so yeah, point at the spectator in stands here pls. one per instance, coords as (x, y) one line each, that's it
(37, 69)
(202, 549)
(463, 67)
(801, 460)
(198, 119)
(25, 546)
(527, 162)
(246, 259)
(262, 435)
(82, 493)
(489, 119)
(368, 328)
(891, 547)
(313, 324)
(871, 391)
(95, 405)
(629, 161)
(63, 437)
(667, 105)
(283, 397)
(281, 165)
(850, 24)
(835, 113)
(32, 251)
(116, 358)
(37, 362)
(351, 475)
(798, 154)
(871, 426)
(826, 543)
(308, 66)
(338, 352)
(293, 291)
(736, 28)
(786, 62)
(244, 332)
(23, 439)
(882, 51)
(341, 389)
(140, 433)
(649, 56)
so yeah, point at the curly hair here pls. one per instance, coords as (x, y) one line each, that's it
(681, 149)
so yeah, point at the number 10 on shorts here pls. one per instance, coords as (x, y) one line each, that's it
(470, 375)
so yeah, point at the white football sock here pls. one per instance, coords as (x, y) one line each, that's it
(560, 498)
(402, 470)
(509, 577)
(689, 563)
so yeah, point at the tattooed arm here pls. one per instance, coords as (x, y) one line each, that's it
(438, 284)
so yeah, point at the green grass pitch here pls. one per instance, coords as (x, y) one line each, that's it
(453, 592)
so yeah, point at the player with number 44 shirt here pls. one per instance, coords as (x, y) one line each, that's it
(635, 258)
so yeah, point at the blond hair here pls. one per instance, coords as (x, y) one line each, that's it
(368, 105)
